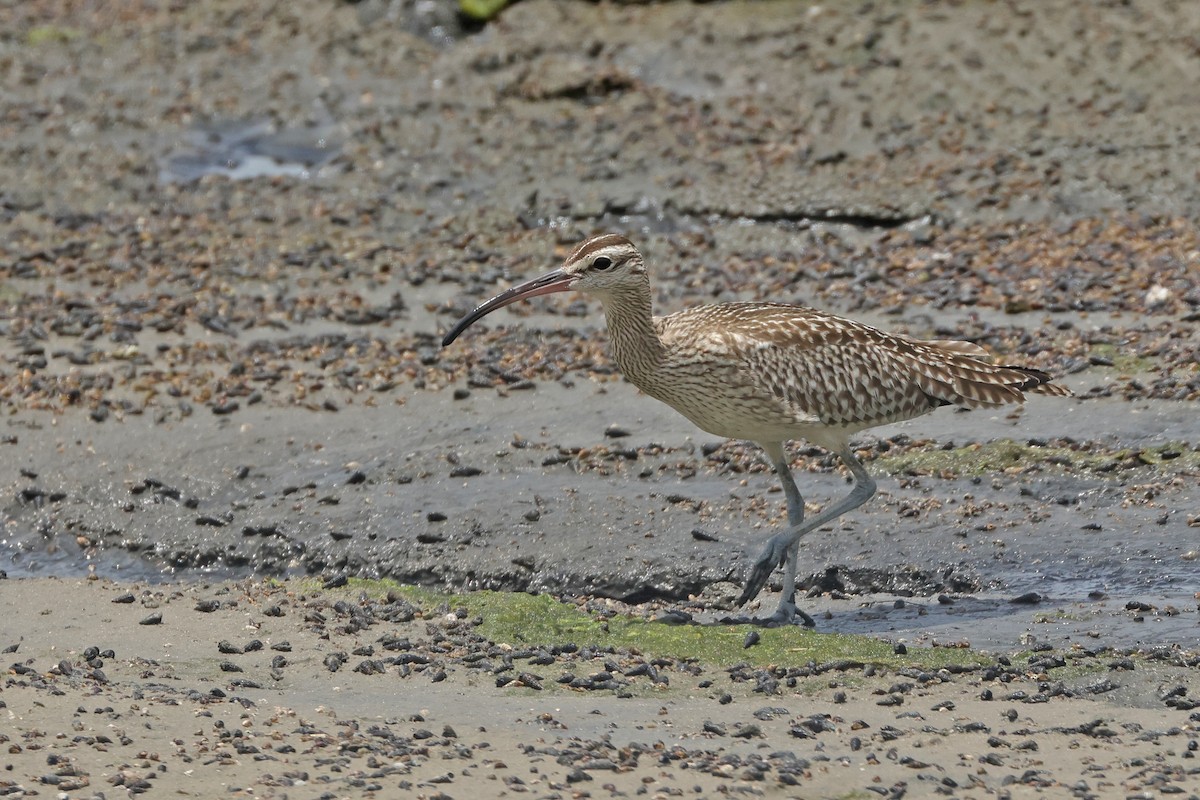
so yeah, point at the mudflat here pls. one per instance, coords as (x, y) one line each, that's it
(232, 239)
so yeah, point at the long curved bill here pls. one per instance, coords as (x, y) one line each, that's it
(553, 281)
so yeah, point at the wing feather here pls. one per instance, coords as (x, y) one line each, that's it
(843, 372)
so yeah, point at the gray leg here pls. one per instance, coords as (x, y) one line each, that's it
(787, 610)
(783, 548)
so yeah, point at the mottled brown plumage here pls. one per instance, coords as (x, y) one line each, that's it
(772, 372)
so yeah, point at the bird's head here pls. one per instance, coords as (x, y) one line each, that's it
(602, 266)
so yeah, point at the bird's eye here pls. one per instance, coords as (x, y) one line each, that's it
(602, 263)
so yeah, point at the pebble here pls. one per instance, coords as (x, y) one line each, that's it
(138, 269)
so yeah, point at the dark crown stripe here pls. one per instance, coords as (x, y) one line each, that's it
(598, 243)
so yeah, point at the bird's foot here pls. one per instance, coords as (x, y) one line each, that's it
(787, 613)
(773, 555)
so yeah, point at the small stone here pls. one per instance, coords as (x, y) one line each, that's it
(747, 731)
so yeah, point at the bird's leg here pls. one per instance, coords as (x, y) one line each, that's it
(787, 610)
(784, 547)
(780, 551)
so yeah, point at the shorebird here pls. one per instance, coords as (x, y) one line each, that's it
(771, 373)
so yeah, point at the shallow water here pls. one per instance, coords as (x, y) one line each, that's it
(248, 148)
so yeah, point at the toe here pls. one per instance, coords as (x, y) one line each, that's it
(773, 556)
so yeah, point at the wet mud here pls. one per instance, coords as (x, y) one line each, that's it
(232, 240)
(216, 373)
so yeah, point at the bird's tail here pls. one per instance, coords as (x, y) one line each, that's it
(1043, 384)
(1036, 381)
(959, 376)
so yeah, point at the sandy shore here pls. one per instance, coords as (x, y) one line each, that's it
(231, 237)
(252, 690)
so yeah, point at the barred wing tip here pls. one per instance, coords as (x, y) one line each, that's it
(1052, 390)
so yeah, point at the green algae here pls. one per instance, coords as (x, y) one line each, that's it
(482, 10)
(51, 34)
(1122, 360)
(525, 620)
(1006, 455)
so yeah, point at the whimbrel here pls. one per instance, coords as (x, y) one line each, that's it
(773, 372)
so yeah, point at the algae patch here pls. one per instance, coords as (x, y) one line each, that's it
(524, 620)
(1116, 358)
(51, 34)
(1011, 457)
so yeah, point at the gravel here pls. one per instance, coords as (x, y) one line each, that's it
(230, 245)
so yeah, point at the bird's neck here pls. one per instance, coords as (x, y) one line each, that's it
(636, 346)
